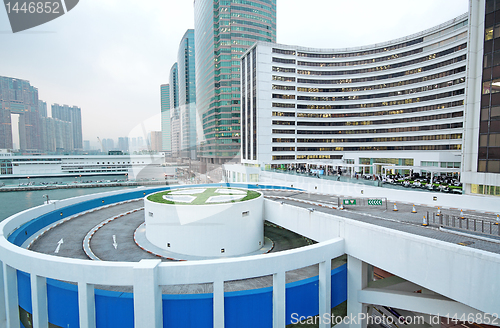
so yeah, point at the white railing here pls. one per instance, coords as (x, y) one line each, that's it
(148, 276)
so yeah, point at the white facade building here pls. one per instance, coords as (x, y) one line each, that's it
(13, 166)
(400, 102)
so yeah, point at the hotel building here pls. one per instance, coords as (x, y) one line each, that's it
(399, 102)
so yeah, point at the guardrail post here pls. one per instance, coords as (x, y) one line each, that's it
(279, 295)
(86, 305)
(40, 313)
(325, 292)
(147, 295)
(218, 287)
(482, 226)
(474, 224)
(11, 298)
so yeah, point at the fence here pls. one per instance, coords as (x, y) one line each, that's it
(484, 226)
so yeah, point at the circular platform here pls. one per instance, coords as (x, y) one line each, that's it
(205, 222)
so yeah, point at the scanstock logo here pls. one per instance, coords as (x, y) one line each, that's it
(24, 15)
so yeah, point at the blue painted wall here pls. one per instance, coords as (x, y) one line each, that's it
(243, 309)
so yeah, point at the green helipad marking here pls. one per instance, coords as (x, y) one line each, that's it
(201, 198)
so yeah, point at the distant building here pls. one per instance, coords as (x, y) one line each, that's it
(224, 30)
(187, 95)
(42, 108)
(21, 98)
(175, 124)
(56, 135)
(123, 144)
(156, 141)
(108, 144)
(166, 129)
(86, 144)
(73, 115)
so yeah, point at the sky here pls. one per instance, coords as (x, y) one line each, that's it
(109, 57)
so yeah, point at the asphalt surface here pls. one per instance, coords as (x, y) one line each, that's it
(404, 219)
(120, 231)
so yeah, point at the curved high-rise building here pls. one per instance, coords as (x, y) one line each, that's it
(399, 102)
(224, 30)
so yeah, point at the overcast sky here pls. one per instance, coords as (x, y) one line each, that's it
(110, 57)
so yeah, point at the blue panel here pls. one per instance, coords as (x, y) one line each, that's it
(249, 309)
(114, 309)
(339, 285)
(62, 301)
(24, 291)
(188, 311)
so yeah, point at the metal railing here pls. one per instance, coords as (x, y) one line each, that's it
(484, 226)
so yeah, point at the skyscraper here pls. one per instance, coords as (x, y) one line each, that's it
(187, 94)
(42, 108)
(481, 154)
(73, 115)
(156, 140)
(166, 129)
(174, 112)
(223, 32)
(21, 98)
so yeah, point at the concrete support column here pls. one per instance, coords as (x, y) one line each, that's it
(86, 305)
(3, 315)
(325, 292)
(279, 295)
(358, 275)
(11, 298)
(39, 301)
(218, 303)
(147, 295)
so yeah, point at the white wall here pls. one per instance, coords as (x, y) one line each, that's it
(466, 275)
(465, 202)
(204, 230)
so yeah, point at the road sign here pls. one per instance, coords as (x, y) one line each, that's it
(349, 201)
(374, 201)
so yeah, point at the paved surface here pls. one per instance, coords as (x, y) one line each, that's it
(403, 219)
(102, 244)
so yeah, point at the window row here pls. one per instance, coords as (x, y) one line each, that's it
(380, 95)
(362, 53)
(385, 103)
(489, 140)
(389, 139)
(361, 62)
(382, 77)
(382, 86)
(381, 122)
(368, 148)
(387, 130)
(386, 67)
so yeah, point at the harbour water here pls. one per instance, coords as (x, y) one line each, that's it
(17, 201)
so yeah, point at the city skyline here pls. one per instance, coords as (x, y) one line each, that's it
(113, 72)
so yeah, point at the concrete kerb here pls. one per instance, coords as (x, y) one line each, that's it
(86, 241)
(28, 243)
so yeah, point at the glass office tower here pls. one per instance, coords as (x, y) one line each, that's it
(224, 30)
(165, 119)
(187, 95)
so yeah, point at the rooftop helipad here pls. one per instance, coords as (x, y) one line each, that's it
(203, 196)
